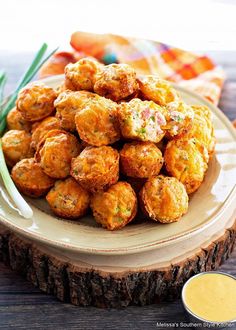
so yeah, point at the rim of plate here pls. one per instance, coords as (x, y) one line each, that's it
(138, 248)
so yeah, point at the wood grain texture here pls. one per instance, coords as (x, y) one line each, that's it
(85, 286)
(24, 307)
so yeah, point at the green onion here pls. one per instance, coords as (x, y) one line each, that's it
(3, 80)
(29, 74)
(24, 80)
(23, 208)
(2, 126)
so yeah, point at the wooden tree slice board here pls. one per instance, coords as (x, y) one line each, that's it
(118, 281)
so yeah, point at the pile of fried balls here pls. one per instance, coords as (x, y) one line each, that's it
(111, 141)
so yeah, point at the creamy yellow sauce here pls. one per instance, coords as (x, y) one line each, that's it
(212, 297)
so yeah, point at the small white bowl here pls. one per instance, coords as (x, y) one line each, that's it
(206, 324)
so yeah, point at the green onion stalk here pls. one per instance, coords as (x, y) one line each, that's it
(22, 206)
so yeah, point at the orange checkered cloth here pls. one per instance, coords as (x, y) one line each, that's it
(197, 73)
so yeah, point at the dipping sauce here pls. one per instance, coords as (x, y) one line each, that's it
(211, 296)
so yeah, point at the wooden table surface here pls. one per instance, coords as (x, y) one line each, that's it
(24, 307)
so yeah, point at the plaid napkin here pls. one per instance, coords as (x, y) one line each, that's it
(197, 73)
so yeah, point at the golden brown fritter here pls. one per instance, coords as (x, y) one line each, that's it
(96, 168)
(30, 178)
(60, 89)
(16, 121)
(82, 74)
(186, 159)
(16, 146)
(68, 104)
(141, 159)
(73, 127)
(158, 90)
(164, 199)
(55, 153)
(67, 199)
(116, 82)
(179, 117)
(97, 123)
(36, 101)
(116, 207)
(202, 128)
(142, 120)
(40, 129)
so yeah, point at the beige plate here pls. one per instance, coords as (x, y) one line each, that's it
(207, 206)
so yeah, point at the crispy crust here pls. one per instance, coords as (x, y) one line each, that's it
(68, 104)
(82, 74)
(30, 179)
(16, 146)
(116, 82)
(202, 128)
(157, 90)
(141, 159)
(96, 168)
(52, 133)
(67, 199)
(36, 101)
(15, 121)
(186, 159)
(55, 152)
(163, 199)
(122, 203)
(39, 130)
(97, 123)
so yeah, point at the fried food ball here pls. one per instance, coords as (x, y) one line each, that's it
(158, 90)
(41, 129)
(67, 199)
(141, 159)
(142, 120)
(55, 153)
(96, 168)
(82, 74)
(186, 159)
(163, 199)
(30, 178)
(116, 82)
(179, 117)
(16, 121)
(68, 104)
(97, 122)
(16, 146)
(202, 128)
(116, 207)
(35, 101)
(60, 89)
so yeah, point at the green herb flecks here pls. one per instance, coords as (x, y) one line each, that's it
(141, 131)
